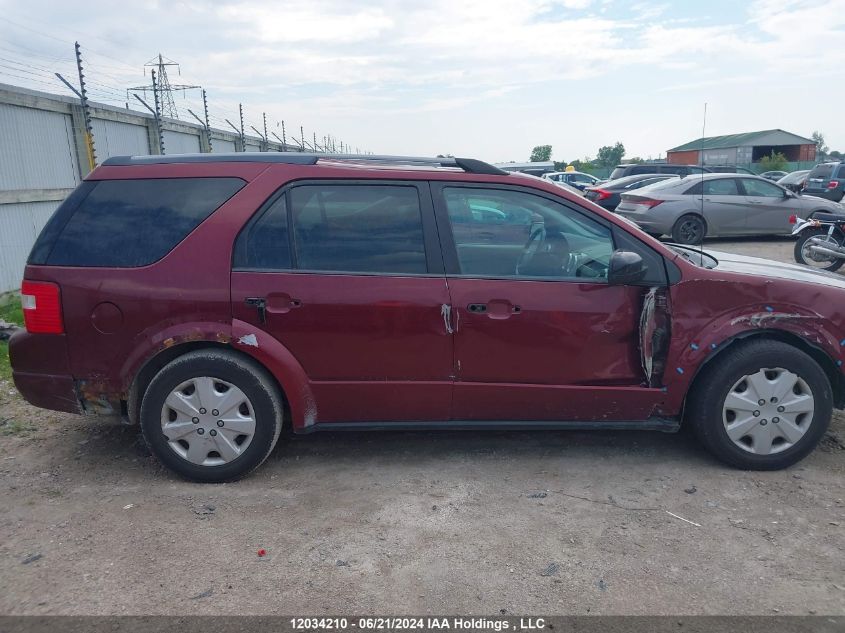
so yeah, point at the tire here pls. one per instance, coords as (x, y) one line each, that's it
(253, 412)
(803, 257)
(709, 412)
(689, 229)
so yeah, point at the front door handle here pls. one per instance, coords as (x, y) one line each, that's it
(495, 308)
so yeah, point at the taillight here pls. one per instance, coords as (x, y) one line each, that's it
(42, 307)
(833, 184)
(648, 202)
(601, 194)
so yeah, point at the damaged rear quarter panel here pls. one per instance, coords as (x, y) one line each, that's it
(709, 312)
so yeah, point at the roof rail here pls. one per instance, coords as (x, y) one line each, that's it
(469, 165)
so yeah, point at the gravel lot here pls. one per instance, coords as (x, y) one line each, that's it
(469, 523)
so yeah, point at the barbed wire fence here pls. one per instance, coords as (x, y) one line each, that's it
(89, 75)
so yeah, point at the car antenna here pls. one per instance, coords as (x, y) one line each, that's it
(701, 164)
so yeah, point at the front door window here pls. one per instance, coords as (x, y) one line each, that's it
(500, 233)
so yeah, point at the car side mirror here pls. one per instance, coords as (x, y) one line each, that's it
(626, 267)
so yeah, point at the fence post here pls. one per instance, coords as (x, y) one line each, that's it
(80, 140)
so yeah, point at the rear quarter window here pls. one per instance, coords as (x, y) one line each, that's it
(129, 223)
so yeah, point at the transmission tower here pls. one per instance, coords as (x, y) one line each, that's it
(164, 87)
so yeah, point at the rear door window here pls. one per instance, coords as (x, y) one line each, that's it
(130, 223)
(721, 187)
(358, 228)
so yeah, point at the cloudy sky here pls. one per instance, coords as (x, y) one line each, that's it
(482, 78)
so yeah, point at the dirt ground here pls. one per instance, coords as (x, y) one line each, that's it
(462, 523)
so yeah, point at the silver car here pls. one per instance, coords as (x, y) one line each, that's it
(718, 204)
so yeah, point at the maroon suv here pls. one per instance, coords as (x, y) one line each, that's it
(215, 299)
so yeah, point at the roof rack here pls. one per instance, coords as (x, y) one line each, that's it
(469, 165)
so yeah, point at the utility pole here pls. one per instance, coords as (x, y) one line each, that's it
(207, 126)
(86, 112)
(157, 114)
(284, 141)
(302, 137)
(316, 149)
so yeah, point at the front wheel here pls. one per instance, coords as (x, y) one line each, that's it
(804, 254)
(211, 415)
(763, 405)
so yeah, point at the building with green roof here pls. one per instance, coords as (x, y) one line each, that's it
(743, 149)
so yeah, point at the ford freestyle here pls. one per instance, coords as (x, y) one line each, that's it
(214, 299)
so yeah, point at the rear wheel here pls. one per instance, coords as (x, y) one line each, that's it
(804, 254)
(689, 229)
(763, 405)
(211, 415)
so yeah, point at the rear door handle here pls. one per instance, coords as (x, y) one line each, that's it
(260, 304)
(275, 303)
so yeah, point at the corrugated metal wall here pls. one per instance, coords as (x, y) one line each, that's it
(20, 224)
(40, 160)
(221, 146)
(37, 151)
(180, 142)
(113, 138)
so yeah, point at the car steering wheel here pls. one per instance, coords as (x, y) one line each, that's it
(534, 245)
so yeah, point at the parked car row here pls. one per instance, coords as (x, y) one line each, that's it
(692, 208)
(696, 204)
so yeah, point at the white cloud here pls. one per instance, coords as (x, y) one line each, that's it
(441, 70)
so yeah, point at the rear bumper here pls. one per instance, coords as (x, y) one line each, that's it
(41, 371)
(48, 391)
(650, 224)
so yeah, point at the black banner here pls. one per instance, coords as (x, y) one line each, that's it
(424, 624)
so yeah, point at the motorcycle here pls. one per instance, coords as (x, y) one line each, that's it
(821, 241)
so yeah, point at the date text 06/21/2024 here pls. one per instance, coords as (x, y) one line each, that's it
(418, 623)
